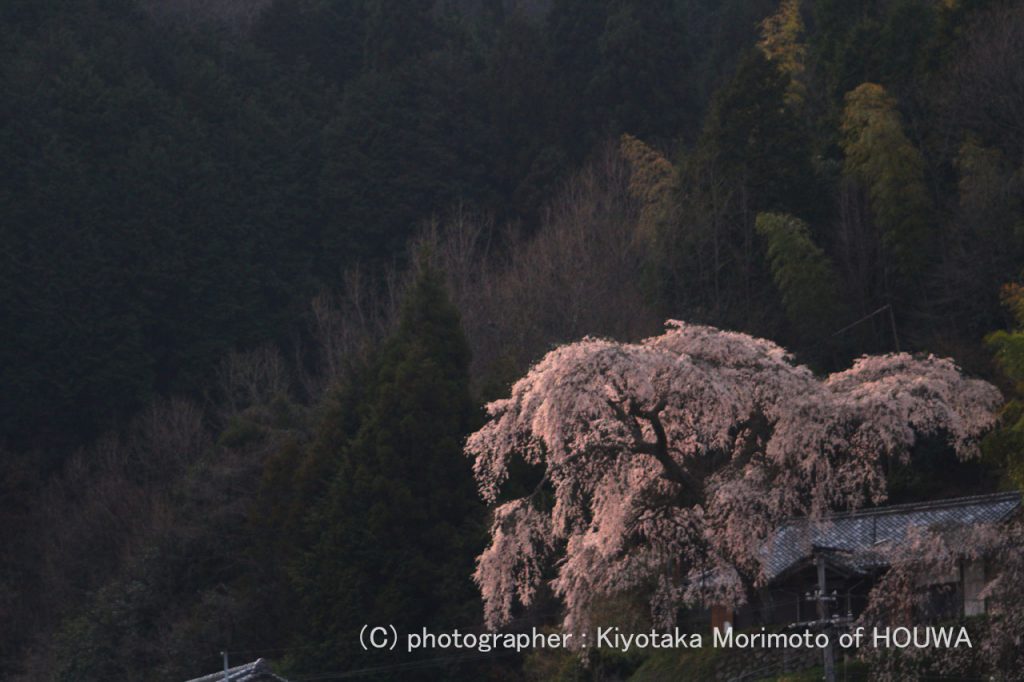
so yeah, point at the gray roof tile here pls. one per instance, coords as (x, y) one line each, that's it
(256, 671)
(857, 540)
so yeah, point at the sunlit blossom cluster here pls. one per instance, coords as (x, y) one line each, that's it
(667, 463)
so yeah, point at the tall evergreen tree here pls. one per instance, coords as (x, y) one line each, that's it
(638, 80)
(405, 144)
(760, 141)
(401, 521)
(574, 28)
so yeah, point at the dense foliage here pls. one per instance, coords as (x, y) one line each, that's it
(219, 356)
(399, 525)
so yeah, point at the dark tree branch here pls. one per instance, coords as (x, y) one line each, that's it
(671, 471)
(539, 487)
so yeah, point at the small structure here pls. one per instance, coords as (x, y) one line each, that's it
(257, 671)
(854, 548)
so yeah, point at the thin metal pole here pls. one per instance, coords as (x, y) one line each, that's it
(225, 655)
(830, 660)
(892, 321)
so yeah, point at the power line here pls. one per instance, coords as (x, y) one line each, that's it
(892, 324)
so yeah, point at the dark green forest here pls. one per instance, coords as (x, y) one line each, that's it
(263, 263)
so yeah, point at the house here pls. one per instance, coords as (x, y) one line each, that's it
(256, 671)
(852, 547)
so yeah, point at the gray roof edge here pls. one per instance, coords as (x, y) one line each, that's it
(240, 673)
(945, 503)
(782, 556)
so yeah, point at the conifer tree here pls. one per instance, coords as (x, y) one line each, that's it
(760, 141)
(637, 82)
(400, 523)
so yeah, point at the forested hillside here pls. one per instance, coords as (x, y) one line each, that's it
(263, 264)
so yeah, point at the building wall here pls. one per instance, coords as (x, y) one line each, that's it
(974, 583)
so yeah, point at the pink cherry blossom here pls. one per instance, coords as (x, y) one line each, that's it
(666, 463)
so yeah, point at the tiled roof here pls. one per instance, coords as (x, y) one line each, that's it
(857, 540)
(257, 671)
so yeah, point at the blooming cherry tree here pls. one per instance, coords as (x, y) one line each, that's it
(668, 462)
(906, 589)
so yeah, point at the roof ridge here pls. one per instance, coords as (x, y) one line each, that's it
(260, 665)
(944, 503)
(858, 533)
(929, 504)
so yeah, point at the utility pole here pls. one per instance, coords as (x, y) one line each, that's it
(829, 624)
(823, 618)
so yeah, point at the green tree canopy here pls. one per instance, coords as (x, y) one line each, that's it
(1006, 445)
(760, 140)
(886, 162)
(400, 524)
(802, 272)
